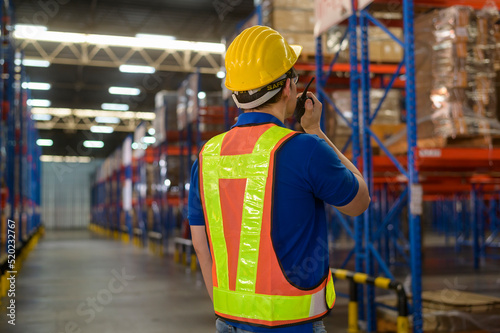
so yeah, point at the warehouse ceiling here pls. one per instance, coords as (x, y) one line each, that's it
(84, 86)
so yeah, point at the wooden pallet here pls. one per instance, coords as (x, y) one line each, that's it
(444, 311)
(448, 300)
(306, 57)
(389, 326)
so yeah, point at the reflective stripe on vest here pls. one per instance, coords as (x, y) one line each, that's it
(244, 303)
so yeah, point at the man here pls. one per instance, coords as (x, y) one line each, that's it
(256, 204)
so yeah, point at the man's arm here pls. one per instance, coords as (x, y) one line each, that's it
(200, 244)
(311, 124)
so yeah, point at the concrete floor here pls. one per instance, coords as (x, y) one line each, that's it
(77, 282)
(68, 271)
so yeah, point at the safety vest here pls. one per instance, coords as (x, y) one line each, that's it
(236, 173)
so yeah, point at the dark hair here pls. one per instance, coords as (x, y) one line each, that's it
(244, 98)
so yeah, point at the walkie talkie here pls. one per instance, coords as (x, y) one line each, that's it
(300, 108)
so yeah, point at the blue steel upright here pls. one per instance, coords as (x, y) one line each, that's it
(128, 178)
(367, 170)
(21, 153)
(320, 80)
(356, 146)
(8, 71)
(2, 141)
(356, 232)
(414, 214)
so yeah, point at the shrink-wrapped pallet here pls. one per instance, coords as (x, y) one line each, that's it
(293, 19)
(459, 93)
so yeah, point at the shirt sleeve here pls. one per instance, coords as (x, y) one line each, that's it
(195, 209)
(331, 181)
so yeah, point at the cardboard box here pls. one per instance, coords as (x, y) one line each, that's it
(302, 4)
(293, 20)
(306, 40)
(381, 47)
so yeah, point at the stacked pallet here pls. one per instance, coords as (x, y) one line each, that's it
(381, 47)
(455, 51)
(387, 122)
(166, 114)
(294, 19)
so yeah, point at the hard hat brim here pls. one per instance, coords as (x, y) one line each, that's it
(297, 49)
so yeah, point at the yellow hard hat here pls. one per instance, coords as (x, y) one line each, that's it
(258, 56)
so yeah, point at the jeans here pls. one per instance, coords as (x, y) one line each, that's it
(223, 327)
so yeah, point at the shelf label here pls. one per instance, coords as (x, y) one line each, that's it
(435, 153)
(329, 13)
(127, 195)
(127, 151)
(416, 199)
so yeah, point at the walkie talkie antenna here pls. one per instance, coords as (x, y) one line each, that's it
(300, 108)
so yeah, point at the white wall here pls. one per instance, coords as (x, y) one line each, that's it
(66, 189)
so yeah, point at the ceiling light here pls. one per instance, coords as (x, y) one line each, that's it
(137, 69)
(124, 91)
(107, 120)
(29, 29)
(36, 63)
(104, 116)
(149, 139)
(52, 36)
(51, 158)
(17, 62)
(135, 145)
(114, 106)
(120, 41)
(70, 159)
(154, 37)
(202, 95)
(44, 142)
(59, 112)
(101, 129)
(36, 85)
(41, 117)
(93, 144)
(44, 103)
(209, 47)
(151, 131)
(221, 74)
(146, 115)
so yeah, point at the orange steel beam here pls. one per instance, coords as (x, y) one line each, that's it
(374, 68)
(459, 158)
(446, 159)
(477, 4)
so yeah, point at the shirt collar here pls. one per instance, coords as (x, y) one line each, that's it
(257, 118)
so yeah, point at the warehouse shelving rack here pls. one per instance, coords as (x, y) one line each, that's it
(183, 143)
(138, 179)
(408, 192)
(19, 156)
(9, 116)
(3, 158)
(163, 203)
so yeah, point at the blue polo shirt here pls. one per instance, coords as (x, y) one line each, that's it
(308, 175)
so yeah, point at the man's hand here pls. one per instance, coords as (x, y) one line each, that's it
(311, 119)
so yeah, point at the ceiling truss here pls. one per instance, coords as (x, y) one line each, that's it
(68, 53)
(83, 120)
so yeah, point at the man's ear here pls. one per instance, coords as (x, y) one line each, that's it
(287, 89)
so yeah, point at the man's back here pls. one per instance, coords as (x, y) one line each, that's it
(306, 173)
